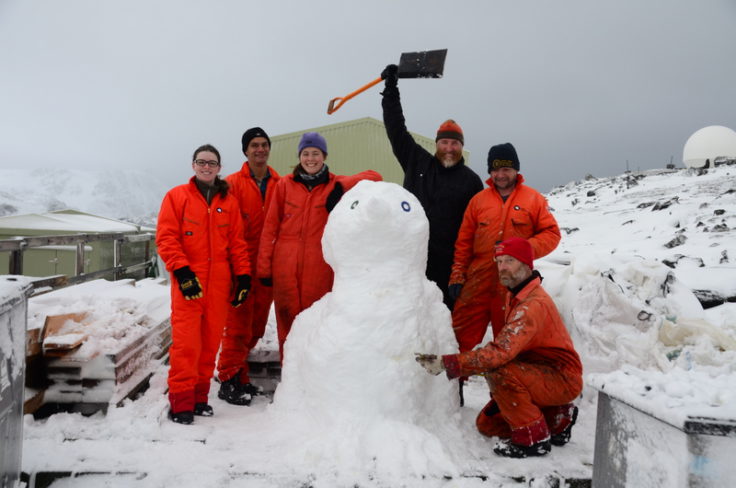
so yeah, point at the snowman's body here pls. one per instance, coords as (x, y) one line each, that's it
(352, 352)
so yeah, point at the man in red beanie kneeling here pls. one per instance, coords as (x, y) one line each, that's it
(531, 366)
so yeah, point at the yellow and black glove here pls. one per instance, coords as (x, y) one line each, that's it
(241, 290)
(189, 284)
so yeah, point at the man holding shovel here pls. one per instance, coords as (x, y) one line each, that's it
(441, 181)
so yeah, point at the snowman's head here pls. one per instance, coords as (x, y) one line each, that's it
(377, 225)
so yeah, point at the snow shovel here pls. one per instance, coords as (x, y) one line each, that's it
(423, 64)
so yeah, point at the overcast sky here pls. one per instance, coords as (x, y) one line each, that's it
(579, 87)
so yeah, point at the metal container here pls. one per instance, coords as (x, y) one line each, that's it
(14, 293)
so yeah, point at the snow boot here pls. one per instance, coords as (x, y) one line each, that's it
(252, 389)
(563, 437)
(530, 440)
(203, 410)
(234, 393)
(509, 449)
(185, 417)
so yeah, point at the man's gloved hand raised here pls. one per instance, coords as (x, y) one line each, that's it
(430, 362)
(334, 197)
(241, 291)
(189, 284)
(453, 291)
(391, 75)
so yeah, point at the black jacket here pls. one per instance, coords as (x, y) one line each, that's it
(443, 192)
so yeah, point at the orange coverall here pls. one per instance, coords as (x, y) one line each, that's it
(246, 324)
(208, 239)
(531, 367)
(291, 246)
(489, 220)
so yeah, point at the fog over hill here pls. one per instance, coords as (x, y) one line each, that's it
(119, 194)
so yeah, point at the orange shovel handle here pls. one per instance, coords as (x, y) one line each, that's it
(336, 103)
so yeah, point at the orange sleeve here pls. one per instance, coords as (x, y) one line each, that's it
(516, 335)
(464, 243)
(547, 233)
(348, 182)
(270, 232)
(168, 234)
(238, 248)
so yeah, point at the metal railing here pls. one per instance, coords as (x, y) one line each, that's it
(17, 246)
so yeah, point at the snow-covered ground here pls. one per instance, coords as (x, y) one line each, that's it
(634, 319)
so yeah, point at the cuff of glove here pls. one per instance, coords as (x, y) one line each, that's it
(452, 366)
(244, 280)
(184, 273)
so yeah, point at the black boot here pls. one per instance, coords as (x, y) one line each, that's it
(252, 389)
(562, 438)
(203, 409)
(233, 392)
(185, 418)
(509, 449)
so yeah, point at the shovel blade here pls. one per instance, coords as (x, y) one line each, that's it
(423, 64)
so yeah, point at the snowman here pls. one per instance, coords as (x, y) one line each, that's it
(349, 370)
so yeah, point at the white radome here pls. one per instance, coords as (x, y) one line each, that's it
(708, 144)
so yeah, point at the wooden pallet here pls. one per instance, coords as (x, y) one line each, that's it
(265, 370)
(89, 382)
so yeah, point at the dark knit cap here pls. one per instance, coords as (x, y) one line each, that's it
(450, 130)
(503, 156)
(252, 133)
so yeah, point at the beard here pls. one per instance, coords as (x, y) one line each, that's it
(449, 159)
(510, 280)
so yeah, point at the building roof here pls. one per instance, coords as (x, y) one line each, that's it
(63, 222)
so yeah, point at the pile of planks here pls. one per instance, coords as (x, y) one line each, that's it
(62, 376)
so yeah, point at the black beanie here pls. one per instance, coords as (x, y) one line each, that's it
(252, 133)
(502, 156)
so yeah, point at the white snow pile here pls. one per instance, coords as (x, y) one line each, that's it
(640, 251)
(354, 409)
(115, 311)
(390, 418)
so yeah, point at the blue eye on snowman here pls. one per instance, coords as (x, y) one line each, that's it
(405, 206)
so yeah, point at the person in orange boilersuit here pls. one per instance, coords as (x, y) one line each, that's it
(200, 238)
(253, 187)
(290, 256)
(507, 208)
(531, 366)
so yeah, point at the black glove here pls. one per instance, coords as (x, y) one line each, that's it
(334, 197)
(241, 291)
(391, 75)
(266, 281)
(453, 291)
(189, 284)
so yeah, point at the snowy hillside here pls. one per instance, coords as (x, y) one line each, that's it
(634, 250)
(125, 195)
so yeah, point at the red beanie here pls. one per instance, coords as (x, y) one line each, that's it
(450, 130)
(518, 248)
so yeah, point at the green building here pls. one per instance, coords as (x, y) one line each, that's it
(61, 259)
(353, 146)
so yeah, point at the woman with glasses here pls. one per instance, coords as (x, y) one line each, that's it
(290, 253)
(200, 238)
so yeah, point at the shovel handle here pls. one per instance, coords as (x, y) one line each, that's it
(336, 103)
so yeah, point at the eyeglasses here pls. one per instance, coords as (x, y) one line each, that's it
(203, 162)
